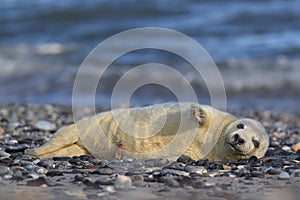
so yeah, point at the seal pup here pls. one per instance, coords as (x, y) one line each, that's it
(163, 130)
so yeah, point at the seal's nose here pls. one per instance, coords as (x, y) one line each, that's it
(237, 139)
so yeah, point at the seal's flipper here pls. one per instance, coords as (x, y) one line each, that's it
(198, 113)
(63, 138)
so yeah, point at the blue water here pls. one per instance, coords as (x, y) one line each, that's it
(255, 44)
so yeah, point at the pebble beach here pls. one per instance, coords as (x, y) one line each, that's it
(276, 176)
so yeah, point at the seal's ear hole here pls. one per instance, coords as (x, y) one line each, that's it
(240, 126)
(256, 143)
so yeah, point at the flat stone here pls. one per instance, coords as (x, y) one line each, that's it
(38, 182)
(274, 171)
(185, 159)
(4, 170)
(170, 182)
(45, 126)
(122, 183)
(104, 171)
(283, 176)
(257, 174)
(173, 172)
(4, 154)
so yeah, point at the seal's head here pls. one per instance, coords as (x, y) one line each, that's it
(246, 138)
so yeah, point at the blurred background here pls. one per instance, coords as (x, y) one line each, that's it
(255, 44)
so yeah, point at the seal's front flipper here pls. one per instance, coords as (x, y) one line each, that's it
(198, 113)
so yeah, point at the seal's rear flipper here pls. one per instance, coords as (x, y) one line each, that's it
(61, 139)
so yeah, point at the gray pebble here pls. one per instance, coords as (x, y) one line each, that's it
(45, 125)
(274, 171)
(40, 170)
(283, 176)
(4, 170)
(4, 154)
(104, 181)
(122, 183)
(257, 174)
(170, 182)
(104, 171)
(173, 172)
(195, 169)
(158, 162)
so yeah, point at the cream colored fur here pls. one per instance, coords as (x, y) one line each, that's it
(165, 130)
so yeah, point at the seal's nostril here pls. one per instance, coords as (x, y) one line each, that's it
(236, 137)
(241, 141)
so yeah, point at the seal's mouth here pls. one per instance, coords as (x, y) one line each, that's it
(235, 148)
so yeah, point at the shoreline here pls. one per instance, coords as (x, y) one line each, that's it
(276, 176)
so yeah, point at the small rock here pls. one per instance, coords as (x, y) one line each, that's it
(40, 170)
(157, 162)
(122, 182)
(15, 149)
(104, 181)
(185, 159)
(104, 171)
(257, 174)
(273, 171)
(54, 172)
(195, 169)
(4, 154)
(283, 176)
(110, 189)
(4, 170)
(12, 142)
(296, 147)
(170, 182)
(286, 148)
(47, 163)
(45, 126)
(173, 172)
(2, 130)
(37, 182)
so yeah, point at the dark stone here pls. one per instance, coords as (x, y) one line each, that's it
(54, 173)
(104, 181)
(62, 158)
(38, 182)
(257, 174)
(273, 171)
(185, 159)
(14, 149)
(203, 162)
(104, 171)
(170, 182)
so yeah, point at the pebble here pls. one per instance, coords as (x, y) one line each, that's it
(283, 176)
(170, 182)
(4, 154)
(104, 171)
(4, 170)
(157, 162)
(45, 126)
(2, 130)
(185, 159)
(12, 142)
(104, 181)
(257, 174)
(195, 169)
(122, 183)
(286, 148)
(165, 172)
(296, 147)
(273, 171)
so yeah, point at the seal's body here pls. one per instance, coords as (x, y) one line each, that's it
(166, 130)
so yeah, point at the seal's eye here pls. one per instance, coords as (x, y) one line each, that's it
(256, 143)
(240, 126)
